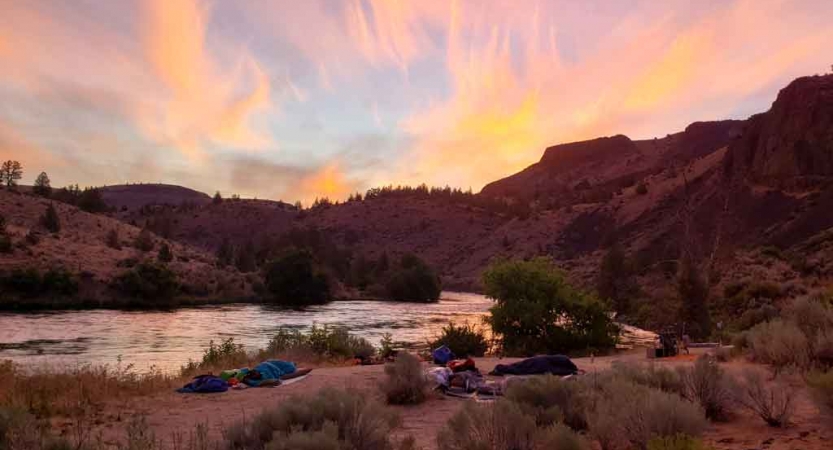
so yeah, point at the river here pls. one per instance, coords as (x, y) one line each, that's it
(167, 339)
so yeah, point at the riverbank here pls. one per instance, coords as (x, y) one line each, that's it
(167, 414)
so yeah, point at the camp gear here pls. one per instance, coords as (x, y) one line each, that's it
(442, 355)
(559, 365)
(204, 384)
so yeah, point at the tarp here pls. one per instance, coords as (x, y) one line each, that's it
(559, 365)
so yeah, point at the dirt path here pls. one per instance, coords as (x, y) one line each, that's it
(172, 413)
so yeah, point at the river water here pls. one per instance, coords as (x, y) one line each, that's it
(167, 339)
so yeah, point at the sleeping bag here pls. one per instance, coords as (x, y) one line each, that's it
(268, 372)
(559, 365)
(204, 384)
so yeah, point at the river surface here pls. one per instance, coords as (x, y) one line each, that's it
(167, 339)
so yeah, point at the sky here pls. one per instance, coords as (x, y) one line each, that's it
(292, 100)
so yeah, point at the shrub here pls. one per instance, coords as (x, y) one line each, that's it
(651, 376)
(629, 414)
(823, 349)
(226, 352)
(405, 382)
(413, 281)
(810, 315)
(678, 442)
(354, 418)
(50, 219)
(5, 243)
(774, 404)
(780, 344)
(148, 281)
(326, 342)
(549, 399)
(165, 254)
(464, 340)
(502, 425)
(821, 391)
(294, 278)
(33, 237)
(538, 312)
(706, 384)
(59, 281)
(144, 240)
(112, 239)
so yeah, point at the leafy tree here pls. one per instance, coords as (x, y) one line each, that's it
(165, 254)
(43, 186)
(413, 281)
(217, 198)
(225, 254)
(50, 219)
(615, 282)
(144, 241)
(112, 240)
(91, 201)
(10, 173)
(246, 261)
(537, 311)
(294, 278)
(694, 297)
(148, 281)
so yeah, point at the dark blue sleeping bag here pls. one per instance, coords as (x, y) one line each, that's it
(559, 365)
(204, 384)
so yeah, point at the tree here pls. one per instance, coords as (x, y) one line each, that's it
(10, 173)
(217, 198)
(294, 278)
(165, 254)
(42, 185)
(537, 311)
(694, 298)
(413, 281)
(615, 282)
(91, 201)
(50, 219)
(149, 281)
(112, 239)
(245, 261)
(144, 240)
(225, 254)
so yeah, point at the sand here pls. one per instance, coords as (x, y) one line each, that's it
(171, 413)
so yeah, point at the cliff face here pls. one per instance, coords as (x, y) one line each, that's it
(791, 145)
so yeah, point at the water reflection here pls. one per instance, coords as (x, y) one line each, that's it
(168, 339)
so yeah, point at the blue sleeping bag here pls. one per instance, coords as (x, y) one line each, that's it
(204, 384)
(442, 355)
(269, 371)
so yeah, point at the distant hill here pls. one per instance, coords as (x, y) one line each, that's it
(135, 196)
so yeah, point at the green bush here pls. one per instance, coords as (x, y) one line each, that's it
(50, 219)
(774, 403)
(821, 391)
(322, 341)
(148, 281)
(59, 281)
(537, 311)
(780, 344)
(706, 384)
(405, 382)
(549, 399)
(678, 442)
(464, 340)
(294, 278)
(413, 281)
(503, 425)
(353, 418)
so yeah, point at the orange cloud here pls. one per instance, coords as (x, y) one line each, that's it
(329, 181)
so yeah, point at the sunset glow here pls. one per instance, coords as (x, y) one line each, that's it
(297, 100)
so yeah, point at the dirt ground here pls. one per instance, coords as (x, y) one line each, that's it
(171, 413)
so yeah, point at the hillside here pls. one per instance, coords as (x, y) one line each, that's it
(81, 248)
(136, 196)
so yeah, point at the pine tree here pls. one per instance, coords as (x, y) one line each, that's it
(694, 298)
(217, 198)
(10, 173)
(50, 219)
(615, 282)
(42, 185)
(225, 254)
(165, 254)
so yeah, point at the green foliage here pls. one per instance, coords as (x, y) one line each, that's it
(678, 442)
(144, 240)
(405, 382)
(152, 282)
(615, 282)
(29, 282)
(112, 240)
(464, 340)
(215, 355)
(91, 201)
(550, 399)
(294, 278)
(10, 173)
(217, 199)
(50, 219)
(414, 281)
(165, 254)
(352, 418)
(386, 349)
(42, 186)
(5, 243)
(821, 391)
(59, 281)
(538, 312)
(323, 341)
